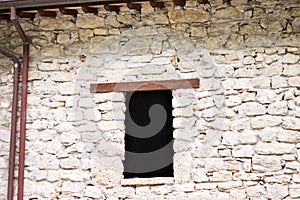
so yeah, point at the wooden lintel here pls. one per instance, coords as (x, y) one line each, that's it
(144, 85)
(112, 8)
(46, 13)
(156, 4)
(179, 2)
(65, 11)
(88, 9)
(134, 6)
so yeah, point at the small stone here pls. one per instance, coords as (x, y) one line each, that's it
(278, 82)
(291, 123)
(231, 101)
(61, 76)
(228, 13)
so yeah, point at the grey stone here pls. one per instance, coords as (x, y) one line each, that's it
(136, 46)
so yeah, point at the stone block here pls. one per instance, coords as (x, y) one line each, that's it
(93, 192)
(275, 148)
(294, 81)
(265, 121)
(182, 167)
(269, 134)
(277, 191)
(248, 137)
(291, 123)
(227, 13)
(251, 109)
(221, 176)
(61, 76)
(230, 138)
(291, 70)
(243, 151)
(70, 163)
(104, 45)
(288, 136)
(278, 82)
(262, 163)
(291, 58)
(294, 191)
(265, 96)
(89, 20)
(136, 46)
(188, 16)
(278, 108)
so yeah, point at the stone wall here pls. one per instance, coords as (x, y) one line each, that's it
(236, 137)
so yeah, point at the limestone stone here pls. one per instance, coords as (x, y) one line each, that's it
(70, 163)
(73, 187)
(294, 81)
(88, 20)
(230, 138)
(49, 162)
(257, 40)
(231, 101)
(290, 58)
(205, 103)
(102, 45)
(50, 24)
(265, 96)
(244, 151)
(61, 76)
(213, 164)
(262, 163)
(289, 136)
(275, 148)
(188, 16)
(93, 192)
(199, 175)
(277, 191)
(278, 82)
(272, 70)
(136, 46)
(278, 108)
(182, 167)
(294, 191)
(221, 176)
(296, 24)
(251, 109)
(265, 121)
(227, 13)
(85, 34)
(248, 137)
(291, 70)
(291, 123)
(261, 82)
(198, 31)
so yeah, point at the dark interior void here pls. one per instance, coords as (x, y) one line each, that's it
(149, 134)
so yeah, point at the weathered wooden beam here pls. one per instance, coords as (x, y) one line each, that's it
(88, 9)
(144, 85)
(112, 8)
(134, 6)
(4, 16)
(26, 15)
(203, 1)
(179, 2)
(65, 11)
(47, 13)
(156, 4)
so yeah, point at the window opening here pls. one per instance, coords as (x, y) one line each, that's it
(149, 134)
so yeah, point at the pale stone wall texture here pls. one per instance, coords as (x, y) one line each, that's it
(236, 137)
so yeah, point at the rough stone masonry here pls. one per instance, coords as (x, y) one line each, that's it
(236, 137)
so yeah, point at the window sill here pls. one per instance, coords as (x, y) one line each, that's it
(147, 181)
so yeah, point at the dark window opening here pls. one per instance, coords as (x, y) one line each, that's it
(149, 134)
